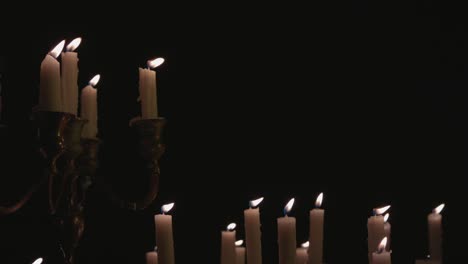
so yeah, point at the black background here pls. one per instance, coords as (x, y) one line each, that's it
(365, 103)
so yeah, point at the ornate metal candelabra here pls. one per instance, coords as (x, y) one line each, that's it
(71, 164)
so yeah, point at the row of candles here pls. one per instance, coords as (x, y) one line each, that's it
(59, 87)
(310, 252)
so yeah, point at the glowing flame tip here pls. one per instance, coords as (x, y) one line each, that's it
(439, 208)
(382, 210)
(231, 227)
(239, 243)
(74, 44)
(319, 200)
(155, 63)
(289, 206)
(55, 52)
(256, 202)
(305, 244)
(38, 261)
(167, 207)
(386, 216)
(383, 244)
(95, 80)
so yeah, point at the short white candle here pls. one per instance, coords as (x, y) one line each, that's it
(50, 92)
(152, 257)
(434, 220)
(70, 78)
(240, 252)
(287, 236)
(253, 233)
(147, 88)
(228, 245)
(89, 108)
(316, 232)
(381, 256)
(164, 235)
(301, 253)
(376, 230)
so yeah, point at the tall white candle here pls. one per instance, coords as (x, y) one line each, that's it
(240, 252)
(253, 233)
(375, 230)
(387, 231)
(434, 220)
(152, 257)
(70, 78)
(50, 92)
(316, 216)
(381, 256)
(228, 245)
(301, 253)
(89, 108)
(164, 235)
(287, 236)
(147, 88)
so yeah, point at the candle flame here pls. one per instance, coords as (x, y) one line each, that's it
(256, 202)
(95, 80)
(305, 244)
(288, 206)
(55, 52)
(382, 244)
(386, 216)
(38, 261)
(319, 200)
(239, 243)
(155, 63)
(74, 44)
(439, 208)
(231, 227)
(381, 210)
(166, 208)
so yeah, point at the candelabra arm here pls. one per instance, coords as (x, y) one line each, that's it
(7, 210)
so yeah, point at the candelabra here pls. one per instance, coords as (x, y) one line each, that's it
(70, 166)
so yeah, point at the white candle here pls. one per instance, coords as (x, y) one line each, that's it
(164, 235)
(434, 220)
(240, 252)
(70, 78)
(152, 257)
(228, 245)
(89, 108)
(287, 236)
(147, 88)
(316, 232)
(49, 94)
(387, 231)
(375, 230)
(253, 233)
(301, 253)
(381, 256)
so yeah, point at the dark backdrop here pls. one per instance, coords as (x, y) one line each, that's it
(364, 103)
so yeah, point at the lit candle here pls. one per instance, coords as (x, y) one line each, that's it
(89, 108)
(49, 94)
(147, 87)
(253, 233)
(287, 236)
(240, 252)
(228, 245)
(70, 78)
(381, 256)
(152, 256)
(301, 253)
(38, 261)
(375, 230)
(164, 237)
(434, 220)
(388, 230)
(316, 232)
